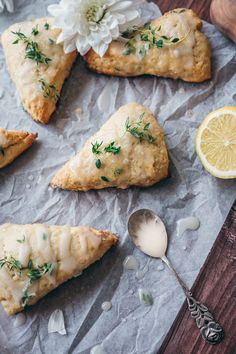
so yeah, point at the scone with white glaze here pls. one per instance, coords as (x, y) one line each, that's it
(35, 259)
(128, 150)
(13, 143)
(37, 65)
(171, 46)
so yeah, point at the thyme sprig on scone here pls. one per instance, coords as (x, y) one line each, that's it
(140, 129)
(31, 272)
(32, 50)
(150, 38)
(49, 90)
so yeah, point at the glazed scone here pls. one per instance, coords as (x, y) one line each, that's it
(35, 259)
(37, 65)
(128, 150)
(176, 49)
(13, 143)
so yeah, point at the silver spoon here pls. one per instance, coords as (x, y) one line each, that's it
(149, 234)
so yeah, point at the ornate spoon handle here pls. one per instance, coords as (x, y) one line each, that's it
(210, 330)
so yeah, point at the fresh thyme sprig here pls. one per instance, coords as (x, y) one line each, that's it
(140, 130)
(49, 90)
(11, 263)
(112, 148)
(95, 148)
(32, 50)
(37, 273)
(150, 38)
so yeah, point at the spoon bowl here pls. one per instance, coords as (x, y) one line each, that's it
(148, 233)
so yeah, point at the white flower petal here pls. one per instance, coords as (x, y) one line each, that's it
(56, 323)
(100, 49)
(121, 5)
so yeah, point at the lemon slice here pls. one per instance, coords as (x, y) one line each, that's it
(215, 142)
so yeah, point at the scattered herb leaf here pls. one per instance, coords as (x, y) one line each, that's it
(105, 179)
(45, 237)
(145, 297)
(46, 26)
(35, 31)
(21, 241)
(30, 264)
(49, 90)
(98, 163)
(51, 41)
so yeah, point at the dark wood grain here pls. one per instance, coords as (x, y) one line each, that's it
(215, 286)
(201, 7)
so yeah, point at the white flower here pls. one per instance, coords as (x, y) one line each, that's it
(93, 24)
(9, 5)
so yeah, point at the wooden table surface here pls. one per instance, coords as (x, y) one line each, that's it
(216, 282)
(201, 7)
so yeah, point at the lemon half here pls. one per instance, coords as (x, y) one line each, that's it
(215, 142)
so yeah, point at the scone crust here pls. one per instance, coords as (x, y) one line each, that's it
(13, 143)
(59, 275)
(25, 73)
(158, 62)
(142, 164)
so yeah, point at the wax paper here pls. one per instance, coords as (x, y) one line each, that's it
(129, 327)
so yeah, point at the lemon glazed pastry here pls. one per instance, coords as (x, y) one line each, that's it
(171, 46)
(13, 143)
(37, 65)
(35, 259)
(128, 150)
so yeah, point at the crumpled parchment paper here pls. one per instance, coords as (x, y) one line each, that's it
(129, 327)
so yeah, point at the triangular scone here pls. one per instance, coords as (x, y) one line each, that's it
(176, 49)
(13, 143)
(35, 259)
(37, 65)
(128, 150)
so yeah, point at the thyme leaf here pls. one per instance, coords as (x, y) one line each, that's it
(51, 41)
(105, 179)
(21, 241)
(35, 31)
(46, 26)
(49, 90)
(98, 163)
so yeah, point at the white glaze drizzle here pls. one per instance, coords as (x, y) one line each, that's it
(189, 223)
